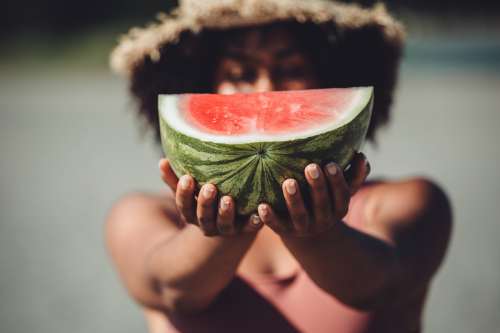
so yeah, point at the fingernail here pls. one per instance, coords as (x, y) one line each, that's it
(255, 220)
(290, 187)
(313, 171)
(224, 203)
(263, 210)
(331, 168)
(184, 182)
(208, 191)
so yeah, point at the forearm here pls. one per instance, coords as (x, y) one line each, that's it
(352, 266)
(192, 268)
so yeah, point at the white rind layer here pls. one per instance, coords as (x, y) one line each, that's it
(171, 113)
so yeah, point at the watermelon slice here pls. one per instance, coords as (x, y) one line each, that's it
(248, 144)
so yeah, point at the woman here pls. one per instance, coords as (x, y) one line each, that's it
(360, 260)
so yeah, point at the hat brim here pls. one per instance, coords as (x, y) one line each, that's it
(142, 43)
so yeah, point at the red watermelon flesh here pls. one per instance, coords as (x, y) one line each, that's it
(248, 144)
(265, 113)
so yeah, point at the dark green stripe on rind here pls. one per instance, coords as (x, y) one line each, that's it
(253, 173)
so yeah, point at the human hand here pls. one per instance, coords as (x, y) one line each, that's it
(330, 191)
(214, 217)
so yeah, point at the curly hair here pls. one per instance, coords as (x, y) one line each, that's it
(341, 58)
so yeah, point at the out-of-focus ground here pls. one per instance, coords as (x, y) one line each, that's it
(70, 146)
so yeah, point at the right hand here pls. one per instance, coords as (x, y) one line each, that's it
(214, 218)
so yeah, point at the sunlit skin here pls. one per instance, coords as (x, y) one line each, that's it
(397, 237)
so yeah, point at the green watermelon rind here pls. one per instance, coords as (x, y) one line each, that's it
(252, 173)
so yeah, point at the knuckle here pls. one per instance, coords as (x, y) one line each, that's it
(300, 218)
(321, 215)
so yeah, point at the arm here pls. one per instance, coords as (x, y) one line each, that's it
(351, 265)
(361, 268)
(168, 266)
(191, 269)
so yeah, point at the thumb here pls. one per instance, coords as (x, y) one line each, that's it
(167, 174)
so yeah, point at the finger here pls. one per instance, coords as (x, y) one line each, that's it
(358, 180)
(167, 174)
(184, 199)
(359, 170)
(321, 199)
(205, 210)
(295, 204)
(339, 190)
(253, 224)
(270, 219)
(225, 217)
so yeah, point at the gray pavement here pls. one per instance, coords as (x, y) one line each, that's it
(70, 146)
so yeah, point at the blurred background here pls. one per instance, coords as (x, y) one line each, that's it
(70, 146)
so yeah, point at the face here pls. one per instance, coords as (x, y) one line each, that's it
(260, 61)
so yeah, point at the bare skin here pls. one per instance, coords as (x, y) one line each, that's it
(176, 252)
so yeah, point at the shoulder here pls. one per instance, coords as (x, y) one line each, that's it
(138, 200)
(399, 203)
(415, 215)
(138, 208)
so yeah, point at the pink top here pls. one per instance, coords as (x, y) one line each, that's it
(287, 304)
(267, 304)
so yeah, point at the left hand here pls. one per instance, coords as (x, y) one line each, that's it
(330, 190)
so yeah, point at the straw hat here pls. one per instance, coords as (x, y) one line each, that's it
(373, 36)
(196, 15)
